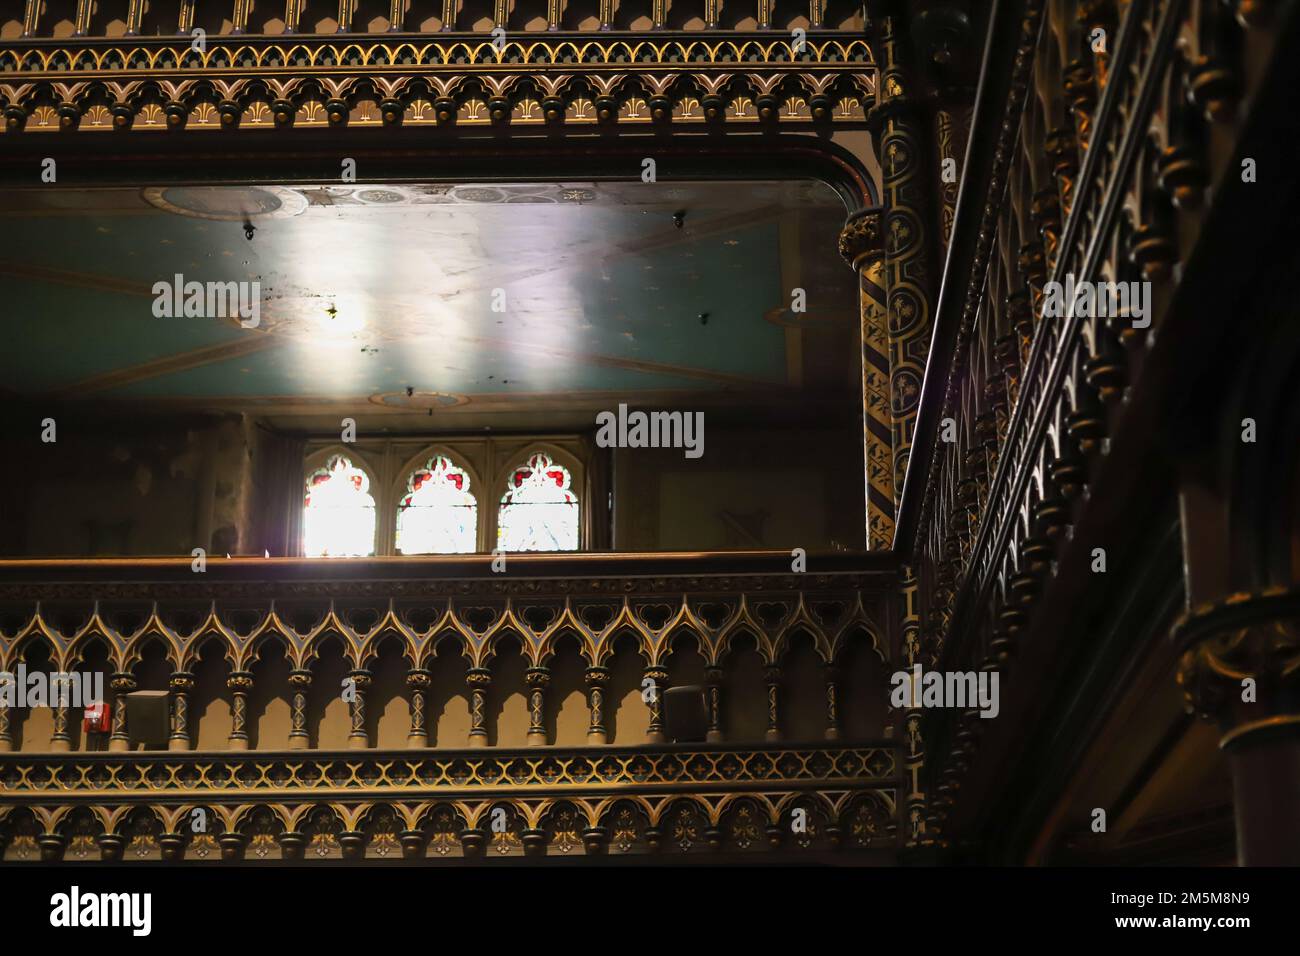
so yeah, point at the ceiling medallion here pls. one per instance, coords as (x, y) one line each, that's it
(418, 401)
(227, 203)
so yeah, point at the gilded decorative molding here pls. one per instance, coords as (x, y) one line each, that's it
(455, 772)
(272, 83)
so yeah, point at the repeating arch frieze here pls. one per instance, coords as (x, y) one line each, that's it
(656, 625)
(434, 83)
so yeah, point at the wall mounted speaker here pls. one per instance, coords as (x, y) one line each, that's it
(685, 714)
(148, 719)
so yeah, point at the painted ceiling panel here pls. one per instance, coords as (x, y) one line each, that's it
(474, 290)
(60, 335)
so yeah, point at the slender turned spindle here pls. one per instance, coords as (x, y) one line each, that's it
(60, 693)
(713, 699)
(537, 678)
(182, 685)
(241, 685)
(479, 680)
(419, 682)
(31, 17)
(239, 19)
(358, 739)
(8, 692)
(292, 15)
(122, 685)
(832, 702)
(346, 9)
(773, 677)
(597, 679)
(653, 694)
(300, 681)
(82, 22)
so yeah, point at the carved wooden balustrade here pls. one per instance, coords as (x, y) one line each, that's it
(419, 801)
(1103, 162)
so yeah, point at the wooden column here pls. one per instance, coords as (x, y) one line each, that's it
(182, 685)
(134, 17)
(597, 678)
(82, 21)
(479, 680)
(241, 685)
(8, 686)
(862, 246)
(418, 681)
(346, 10)
(358, 739)
(239, 20)
(654, 733)
(1241, 668)
(772, 676)
(832, 702)
(713, 699)
(122, 684)
(907, 168)
(299, 681)
(537, 678)
(31, 17)
(913, 743)
(60, 690)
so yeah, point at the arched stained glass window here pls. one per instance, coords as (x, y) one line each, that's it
(438, 514)
(338, 513)
(539, 511)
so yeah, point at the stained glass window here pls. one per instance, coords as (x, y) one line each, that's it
(338, 512)
(539, 511)
(438, 514)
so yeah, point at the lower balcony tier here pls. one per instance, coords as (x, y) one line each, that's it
(668, 801)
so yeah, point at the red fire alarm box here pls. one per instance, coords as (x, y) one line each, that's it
(96, 719)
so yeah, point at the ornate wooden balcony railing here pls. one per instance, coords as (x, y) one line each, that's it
(674, 799)
(1095, 149)
(58, 802)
